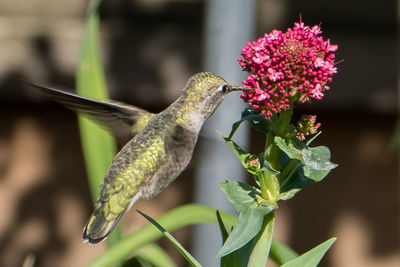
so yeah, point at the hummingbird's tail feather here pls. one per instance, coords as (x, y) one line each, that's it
(98, 228)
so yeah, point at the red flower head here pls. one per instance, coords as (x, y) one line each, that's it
(286, 67)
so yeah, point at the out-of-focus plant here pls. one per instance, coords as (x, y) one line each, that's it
(98, 146)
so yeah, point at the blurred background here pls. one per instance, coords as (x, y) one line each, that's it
(149, 50)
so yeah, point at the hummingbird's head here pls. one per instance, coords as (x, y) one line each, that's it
(203, 93)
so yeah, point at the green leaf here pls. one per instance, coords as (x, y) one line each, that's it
(289, 194)
(290, 150)
(232, 259)
(175, 242)
(249, 161)
(179, 217)
(242, 196)
(257, 121)
(302, 164)
(137, 261)
(156, 256)
(317, 162)
(280, 253)
(98, 146)
(312, 257)
(313, 138)
(224, 232)
(292, 179)
(255, 252)
(261, 249)
(247, 226)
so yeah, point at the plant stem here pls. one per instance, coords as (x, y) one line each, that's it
(268, 181)
(284, 122)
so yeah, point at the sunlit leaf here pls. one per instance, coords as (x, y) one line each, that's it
(247, 226)
(232, 259)
(249, 161)
(317, 162)
(261, 248)
(242, 196)
(312, 257)
(280, 253)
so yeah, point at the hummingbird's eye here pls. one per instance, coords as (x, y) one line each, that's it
(224, 88)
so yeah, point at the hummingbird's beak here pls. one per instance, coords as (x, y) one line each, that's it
(240, 88)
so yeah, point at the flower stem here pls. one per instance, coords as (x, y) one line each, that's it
(285, 117)
(270, 185)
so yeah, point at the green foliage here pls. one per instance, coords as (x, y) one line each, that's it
(150, 255)
(285, 167)
(182, 216)
(302, 165)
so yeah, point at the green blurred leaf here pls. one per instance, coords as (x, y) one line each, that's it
(312, 257)
(247, 226)
(98, 146)
(175, 242)
(242, 196)
(155, 255)
(249, 161)
(137, 261)
(150, 255)
(182, 216)
(280, 253)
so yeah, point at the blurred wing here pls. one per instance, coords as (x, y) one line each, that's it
(122, 120)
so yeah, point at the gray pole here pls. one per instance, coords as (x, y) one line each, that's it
(229, 25)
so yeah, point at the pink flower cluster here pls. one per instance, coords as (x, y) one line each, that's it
(286, 67)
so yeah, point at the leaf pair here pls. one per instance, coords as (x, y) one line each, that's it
(302, 165)
(252, 209)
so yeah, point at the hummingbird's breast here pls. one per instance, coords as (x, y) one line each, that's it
(148, 163)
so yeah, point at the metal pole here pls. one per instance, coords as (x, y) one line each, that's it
(229, 25)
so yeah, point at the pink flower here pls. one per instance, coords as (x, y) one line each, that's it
(286, 67)
(273, 75)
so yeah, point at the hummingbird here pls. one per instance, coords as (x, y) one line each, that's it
(160, 145)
